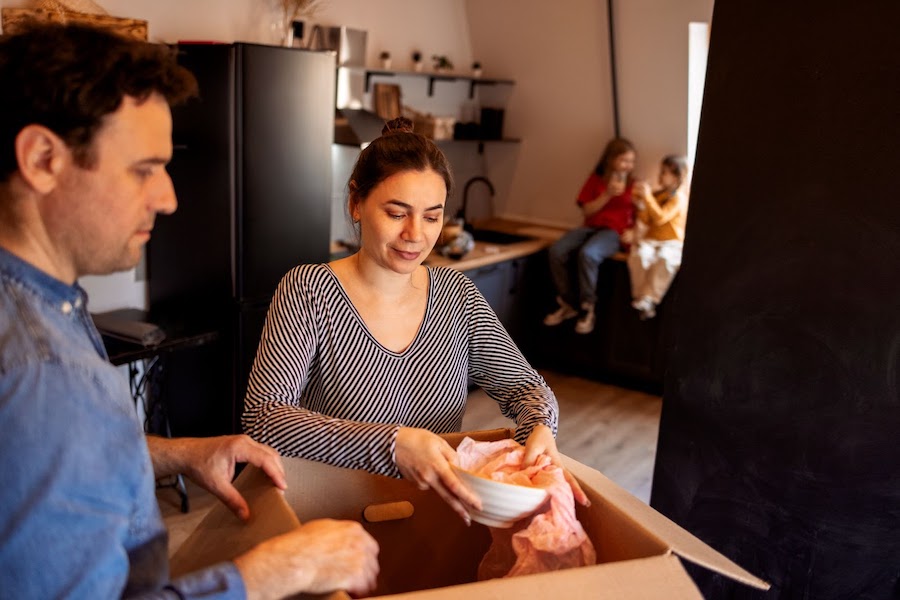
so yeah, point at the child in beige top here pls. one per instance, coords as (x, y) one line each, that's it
(659, 235)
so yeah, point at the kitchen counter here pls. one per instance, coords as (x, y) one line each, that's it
(486, 254)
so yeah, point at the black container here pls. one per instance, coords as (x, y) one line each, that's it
(252, 171)
(492, 123)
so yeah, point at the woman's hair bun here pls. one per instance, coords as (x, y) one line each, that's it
(398, 125)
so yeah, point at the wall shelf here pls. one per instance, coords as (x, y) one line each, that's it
(480, 143)
(433, 77)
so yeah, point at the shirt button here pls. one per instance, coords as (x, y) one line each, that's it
(66, 307)
(78, 303)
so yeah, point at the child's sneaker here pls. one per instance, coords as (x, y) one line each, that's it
(586, 323)
(642, 304)
(563, 313)
(646, 306)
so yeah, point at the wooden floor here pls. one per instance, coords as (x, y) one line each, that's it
(609, 428)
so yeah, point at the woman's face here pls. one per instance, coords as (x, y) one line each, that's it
(401, 219)
(623, 163)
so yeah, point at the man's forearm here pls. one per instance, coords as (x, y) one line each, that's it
(165, 454)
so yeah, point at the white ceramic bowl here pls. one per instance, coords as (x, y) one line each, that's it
(502, 504)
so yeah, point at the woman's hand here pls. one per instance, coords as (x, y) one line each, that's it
(424, 458)
(541, 441)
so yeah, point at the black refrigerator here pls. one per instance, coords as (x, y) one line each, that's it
(252, 172)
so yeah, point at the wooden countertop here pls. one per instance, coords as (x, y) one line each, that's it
(487, 254)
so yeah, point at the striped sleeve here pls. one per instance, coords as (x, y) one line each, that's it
(323, 388)
(273, 410)
(497, 365)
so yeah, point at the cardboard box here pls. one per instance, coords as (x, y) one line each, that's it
(14, 19)
(432, 555)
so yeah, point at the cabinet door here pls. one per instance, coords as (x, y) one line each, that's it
(520, 316)
(632, 343)
(491, 281)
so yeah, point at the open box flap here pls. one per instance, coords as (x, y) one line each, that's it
(679, 541)
(270, 515)
(655, 578)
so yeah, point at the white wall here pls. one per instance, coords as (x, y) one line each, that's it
(398, 26)
(652, 42)
(560, 107)
(401, 26)
(557, 52)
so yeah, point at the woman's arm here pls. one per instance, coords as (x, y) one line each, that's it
(496, 364)
(273, 413)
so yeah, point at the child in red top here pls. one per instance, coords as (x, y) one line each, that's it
(605, 199)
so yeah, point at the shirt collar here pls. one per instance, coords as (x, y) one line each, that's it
(66, 298)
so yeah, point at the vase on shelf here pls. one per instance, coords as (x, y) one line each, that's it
(292, 14)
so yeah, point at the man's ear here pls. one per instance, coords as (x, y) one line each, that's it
(41, 155)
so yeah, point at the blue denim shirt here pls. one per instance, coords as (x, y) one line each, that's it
(78, 510)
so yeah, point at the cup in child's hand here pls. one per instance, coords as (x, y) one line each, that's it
(617, 182)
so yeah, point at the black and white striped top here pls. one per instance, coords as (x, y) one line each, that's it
(324, 389)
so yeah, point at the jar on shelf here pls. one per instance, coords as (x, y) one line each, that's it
(417, 64)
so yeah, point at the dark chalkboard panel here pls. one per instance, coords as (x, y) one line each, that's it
(780, 435)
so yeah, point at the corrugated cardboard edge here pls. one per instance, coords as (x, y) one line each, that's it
(654, 578)
(679, 541)
(270, 515)
(13, 19)
(484, 435)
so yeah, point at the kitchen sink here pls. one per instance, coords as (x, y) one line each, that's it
(489, 236)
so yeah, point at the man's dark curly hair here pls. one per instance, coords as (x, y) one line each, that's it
(69, 77)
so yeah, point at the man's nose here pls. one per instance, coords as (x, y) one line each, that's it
(164, 200)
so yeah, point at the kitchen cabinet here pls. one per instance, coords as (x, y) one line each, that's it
(505, 285)
(622, 349)
(491, 282)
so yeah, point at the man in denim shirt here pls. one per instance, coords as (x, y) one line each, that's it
(85, 129)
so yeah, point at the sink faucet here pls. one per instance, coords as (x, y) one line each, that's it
(462, 211)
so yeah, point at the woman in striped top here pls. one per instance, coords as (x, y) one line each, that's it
(364, 360)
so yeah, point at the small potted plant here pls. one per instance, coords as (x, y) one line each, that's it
(417, 61)
(441, 63)
(476, 69)
(385, 57)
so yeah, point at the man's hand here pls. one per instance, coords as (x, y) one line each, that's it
(210, 463)
(318, 557)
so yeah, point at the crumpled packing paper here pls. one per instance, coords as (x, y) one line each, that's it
(549, 540)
